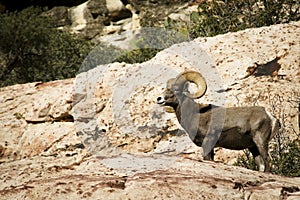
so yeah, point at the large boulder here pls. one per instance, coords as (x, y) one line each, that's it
(34, 117)
(103, 135)
(132, 177)
(121, 98)
(90, 17)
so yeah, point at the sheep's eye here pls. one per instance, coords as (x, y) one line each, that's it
(174, 89)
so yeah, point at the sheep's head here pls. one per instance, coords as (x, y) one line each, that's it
(177, 88)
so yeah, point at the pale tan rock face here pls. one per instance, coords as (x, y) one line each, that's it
(94, 17)
(33, 117)
(139, 177)
(103, 136)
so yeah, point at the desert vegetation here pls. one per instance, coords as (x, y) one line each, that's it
(33, 49)
(285, 147)
(218, 17)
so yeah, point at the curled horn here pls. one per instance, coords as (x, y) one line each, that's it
(194, 77)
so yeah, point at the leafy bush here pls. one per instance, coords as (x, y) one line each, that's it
(246, 161)
(138, 55)
(285, 159)
(101, 54)
(104, 54)
(147, 43)
(217, 17)
(32, 50)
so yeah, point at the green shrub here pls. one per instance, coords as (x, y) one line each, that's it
(145, 46)
(32, 50)
(101, 54)
(149, 42)
(217, 17)
(138, 55)
(246, 161)
(285, 160)
(105, 54)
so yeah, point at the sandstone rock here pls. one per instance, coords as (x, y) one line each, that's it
(38, 138)
(139, 177)
(91, 17)
(59, 15)
(102, 135)
(31, 110)
(117, 10)
(183, 13)
(80, 16)
(124, 104)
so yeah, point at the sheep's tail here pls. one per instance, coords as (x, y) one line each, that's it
(275, 125)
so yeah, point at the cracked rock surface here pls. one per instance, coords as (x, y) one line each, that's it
(139, 177)
(101, 135)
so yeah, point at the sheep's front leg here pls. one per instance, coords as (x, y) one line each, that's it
(210, 155)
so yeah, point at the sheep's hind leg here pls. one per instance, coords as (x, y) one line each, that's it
(262, 146)
(257, 158)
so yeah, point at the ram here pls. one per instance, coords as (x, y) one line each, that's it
(210, 126)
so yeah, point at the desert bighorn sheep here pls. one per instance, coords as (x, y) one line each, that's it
(240, 127)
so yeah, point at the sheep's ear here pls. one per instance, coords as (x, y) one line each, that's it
(186, 87)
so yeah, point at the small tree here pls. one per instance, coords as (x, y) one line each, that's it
(33, 50)
(217, 17)
(287, 162)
